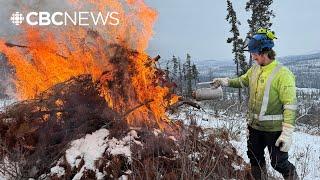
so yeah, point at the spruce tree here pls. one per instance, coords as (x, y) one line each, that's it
(180, 77)
(195, 74)
(189, 75)
(237, 43)
(236, 40)
(175, 67)
(174, 72)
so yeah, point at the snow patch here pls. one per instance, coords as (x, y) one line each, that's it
(89, 148)
(9, 166)
(156, 132)
(172, 138)
(57, 170)
(86, 151)
(123, 177)
(237, 167)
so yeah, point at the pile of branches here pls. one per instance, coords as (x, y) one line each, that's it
(35, 133)
(197, 155)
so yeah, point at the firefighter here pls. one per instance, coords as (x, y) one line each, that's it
(272, 107)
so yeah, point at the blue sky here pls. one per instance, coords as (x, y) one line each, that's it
(199, 27)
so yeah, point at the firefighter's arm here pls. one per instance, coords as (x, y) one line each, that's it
(287, 95)
(242, 81)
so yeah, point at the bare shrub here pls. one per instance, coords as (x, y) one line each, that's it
(194, 156)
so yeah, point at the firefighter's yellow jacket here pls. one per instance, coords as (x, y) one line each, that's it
(272, 93)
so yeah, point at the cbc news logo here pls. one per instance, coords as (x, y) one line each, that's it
(84, 18)
(17, 18)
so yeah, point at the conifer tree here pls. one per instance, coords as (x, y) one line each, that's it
(237, 43)
(174, 73)
(180, 76)
(236, 40)
(175, 67)
(195, 74)
(189, 75)
(184, 75)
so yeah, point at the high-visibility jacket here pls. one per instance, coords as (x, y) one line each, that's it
(272, 98)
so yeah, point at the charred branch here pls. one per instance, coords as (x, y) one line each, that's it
(157, 58)
(23, 46)
(135, 108)
(182, 102)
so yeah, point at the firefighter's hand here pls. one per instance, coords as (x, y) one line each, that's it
(216, 82)
(285, 139)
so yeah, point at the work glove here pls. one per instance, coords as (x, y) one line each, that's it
(216, 82)
(285, 138)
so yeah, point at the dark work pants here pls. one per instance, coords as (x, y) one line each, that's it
(257, 142)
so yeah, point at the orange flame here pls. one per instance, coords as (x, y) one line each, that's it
(51, 56)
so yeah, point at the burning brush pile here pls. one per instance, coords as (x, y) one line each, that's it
(93, 106)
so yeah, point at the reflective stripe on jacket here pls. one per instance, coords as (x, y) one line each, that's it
(272, 93)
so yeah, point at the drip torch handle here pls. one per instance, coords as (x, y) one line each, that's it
(213, 85)
(205, 83)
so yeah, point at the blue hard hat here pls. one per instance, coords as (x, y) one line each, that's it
(260, 42)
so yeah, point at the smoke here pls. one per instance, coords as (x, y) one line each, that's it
(135, 19)
(8, 30)
(7, 88)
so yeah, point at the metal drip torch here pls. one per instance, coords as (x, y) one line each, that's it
(211, 93)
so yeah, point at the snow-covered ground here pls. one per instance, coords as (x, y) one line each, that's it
(304, 153)
(308, 90)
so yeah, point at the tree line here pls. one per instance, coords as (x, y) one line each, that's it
(184, 73)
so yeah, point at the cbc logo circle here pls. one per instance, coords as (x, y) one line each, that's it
(17, 18)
